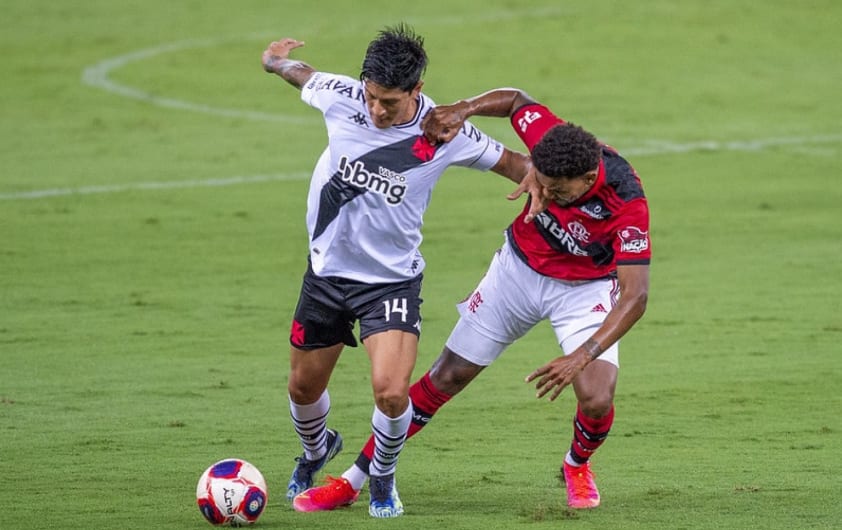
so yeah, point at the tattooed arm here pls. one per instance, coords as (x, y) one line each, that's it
(276, 61)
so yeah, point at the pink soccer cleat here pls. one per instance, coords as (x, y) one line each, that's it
(336, 492)
(581, 489)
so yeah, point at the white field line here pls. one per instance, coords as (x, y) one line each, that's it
(650, 148)
(656, 147)
(146, 186)
(97, 76)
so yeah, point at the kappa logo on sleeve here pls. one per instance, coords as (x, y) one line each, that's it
(633, 239)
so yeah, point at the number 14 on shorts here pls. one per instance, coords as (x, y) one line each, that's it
(396, 305)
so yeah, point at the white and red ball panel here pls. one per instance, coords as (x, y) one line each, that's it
(231, 491)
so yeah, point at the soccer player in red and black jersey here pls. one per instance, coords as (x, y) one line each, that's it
(582, 264)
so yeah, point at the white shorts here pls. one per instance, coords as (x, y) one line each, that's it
(511, 298)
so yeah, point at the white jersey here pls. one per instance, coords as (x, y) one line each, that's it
(371, 186)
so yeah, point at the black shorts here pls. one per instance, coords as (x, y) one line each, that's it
(329, 306)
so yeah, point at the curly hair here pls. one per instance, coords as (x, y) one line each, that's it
(567, 151)
(395, 59)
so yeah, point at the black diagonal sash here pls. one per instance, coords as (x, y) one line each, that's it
(396, 157)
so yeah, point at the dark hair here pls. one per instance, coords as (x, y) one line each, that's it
(567, 151)
(395, 59)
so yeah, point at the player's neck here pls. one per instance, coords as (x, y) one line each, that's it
(409, 115)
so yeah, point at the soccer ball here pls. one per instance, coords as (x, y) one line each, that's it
(231, 492)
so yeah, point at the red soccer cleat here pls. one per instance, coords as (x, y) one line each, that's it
(335, 493)
(581, 489)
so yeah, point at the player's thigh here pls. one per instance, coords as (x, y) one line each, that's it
(322, 318)
(393, 354)
(310, 372)
(499, 311)
(579, 311)
(470, 341)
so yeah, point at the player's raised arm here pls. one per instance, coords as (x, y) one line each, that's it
(276, 61)
(445, 121)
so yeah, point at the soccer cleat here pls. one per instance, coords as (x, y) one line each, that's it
(335, 493)
(581, 489)
(302, 475)
(384, 497)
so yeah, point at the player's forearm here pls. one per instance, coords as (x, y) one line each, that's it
(618, 322)
(500, 103)
(294, 72)
(512, 165)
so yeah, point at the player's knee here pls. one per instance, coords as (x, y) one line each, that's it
(596, 406)
(302, 391)
(451, 373)
(451, 380)
(392, 404)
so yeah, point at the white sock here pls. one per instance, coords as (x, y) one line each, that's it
(389, 437)
(310, 422)
(356, 477)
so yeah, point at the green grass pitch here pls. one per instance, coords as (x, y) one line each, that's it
(152, 240)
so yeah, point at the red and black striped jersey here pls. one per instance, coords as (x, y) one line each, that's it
(606, 227)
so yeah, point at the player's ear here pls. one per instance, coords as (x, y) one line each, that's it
(417, 89)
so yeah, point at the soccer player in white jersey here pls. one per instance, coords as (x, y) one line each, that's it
(368, 194)
(582, 264)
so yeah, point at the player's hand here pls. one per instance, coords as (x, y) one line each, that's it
(278, 52)
(557, 374)
(530, 185)
(443, 123)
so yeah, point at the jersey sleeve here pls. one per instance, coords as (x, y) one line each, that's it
(323, 89)
(532, 121)
(474, 149)
(632, 245)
